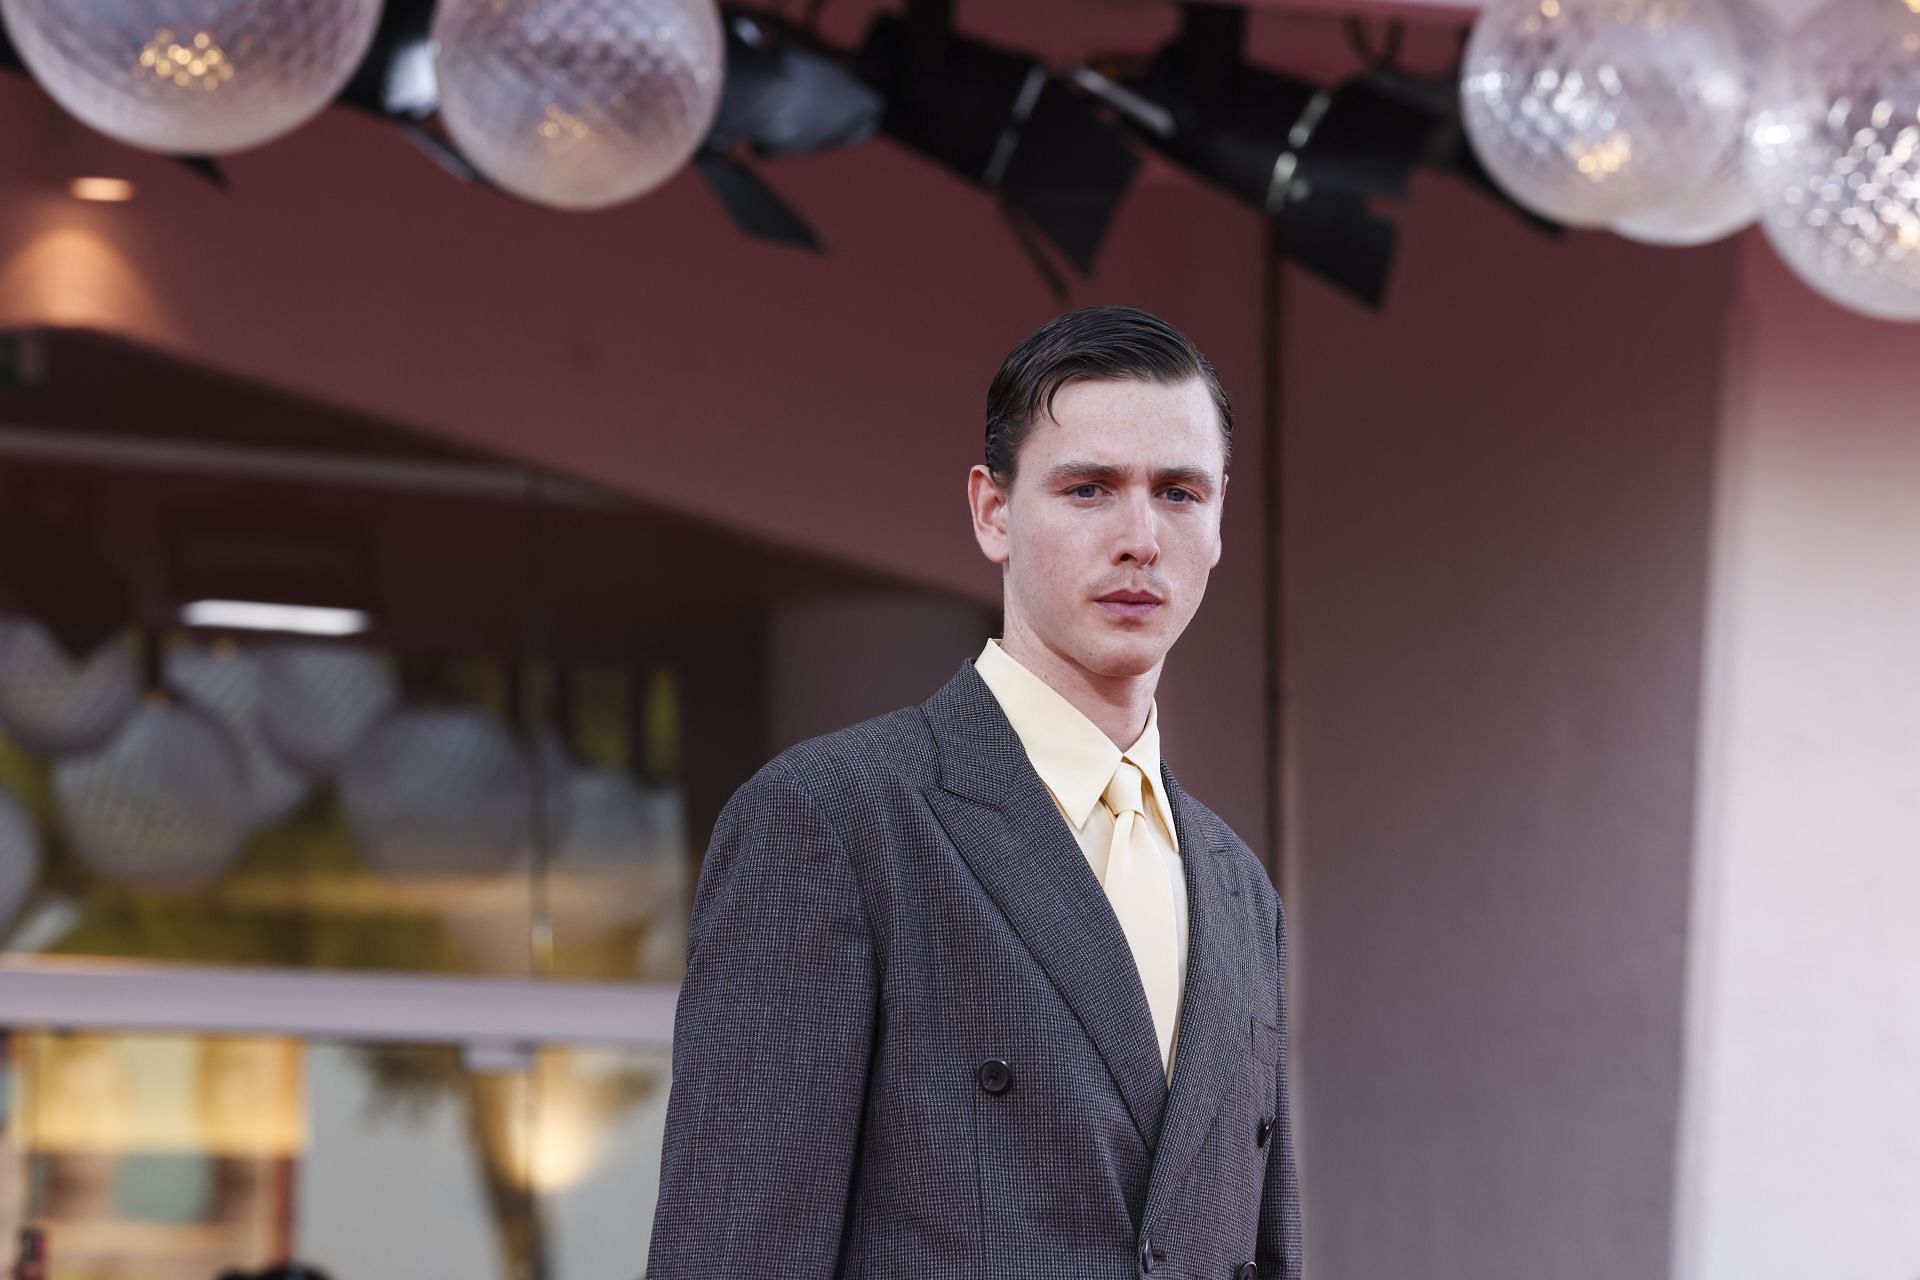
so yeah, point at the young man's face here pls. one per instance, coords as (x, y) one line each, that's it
(1111, 524)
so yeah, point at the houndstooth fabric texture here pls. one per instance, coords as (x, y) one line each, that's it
(912, 1041)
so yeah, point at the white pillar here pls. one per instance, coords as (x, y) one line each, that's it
(1800, 1135)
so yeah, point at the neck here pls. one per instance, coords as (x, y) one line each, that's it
(1117, 705)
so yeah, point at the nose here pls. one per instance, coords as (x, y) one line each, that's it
(1139, 536)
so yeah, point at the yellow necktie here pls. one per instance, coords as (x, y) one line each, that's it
(1142, 898)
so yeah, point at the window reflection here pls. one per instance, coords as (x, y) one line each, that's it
(293, 803)
(281, 686)
(183, 1157)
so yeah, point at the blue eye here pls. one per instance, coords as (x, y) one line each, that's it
(1086, 491)
(1180, 494)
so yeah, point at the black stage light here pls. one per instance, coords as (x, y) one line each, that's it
(396, 82)
(1309, 156)
(784, 96)
(1002, 120)
(755, 207)
(396, 78)
(1448, 150)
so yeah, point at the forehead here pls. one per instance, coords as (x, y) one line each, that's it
(1129, 422)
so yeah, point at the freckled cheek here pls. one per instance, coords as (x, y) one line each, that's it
(1062, 547)
(1189, 541)
(1054, 568)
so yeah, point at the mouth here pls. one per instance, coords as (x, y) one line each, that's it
(1129, 604)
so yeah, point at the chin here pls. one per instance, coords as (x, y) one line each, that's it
(1123, 657)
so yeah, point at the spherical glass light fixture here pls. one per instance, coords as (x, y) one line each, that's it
(1589, 111)
(624, 840)
(225, 683)
(202, 77)
(1834, 155)
(55, 705)
(438, 790)
(578, 104)
(165, 804)
(316, 700)
(1725, 203)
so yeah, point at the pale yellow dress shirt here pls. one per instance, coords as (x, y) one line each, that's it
(1075, 760)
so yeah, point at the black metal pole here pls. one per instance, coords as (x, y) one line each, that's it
(1272, 457)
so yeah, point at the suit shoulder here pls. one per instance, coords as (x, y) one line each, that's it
(1247, 865)
(863, 761)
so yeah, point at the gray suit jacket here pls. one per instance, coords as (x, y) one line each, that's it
(912, 1041)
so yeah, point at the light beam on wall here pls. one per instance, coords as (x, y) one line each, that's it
(103, 190)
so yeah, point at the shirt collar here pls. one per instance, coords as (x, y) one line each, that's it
(1067, 750)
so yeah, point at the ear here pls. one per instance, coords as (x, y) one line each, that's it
(988, 501)
(1219, 543)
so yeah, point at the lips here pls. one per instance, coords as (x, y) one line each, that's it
(1129, 604)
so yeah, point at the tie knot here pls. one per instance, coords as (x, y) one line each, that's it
(1123, 789)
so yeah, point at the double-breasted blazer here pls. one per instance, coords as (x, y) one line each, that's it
(912, 1041)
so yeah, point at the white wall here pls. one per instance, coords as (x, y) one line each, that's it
(1802, 1140)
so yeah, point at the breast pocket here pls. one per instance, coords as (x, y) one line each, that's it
(1266, 1041)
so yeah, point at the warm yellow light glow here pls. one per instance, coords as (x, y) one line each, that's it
(69, 272)
(546, 1130)
(1550, 8)
(106, 1094)
(105, 190)
(563, 130)
(201, 64)
(1603, 160)
(251, 1096)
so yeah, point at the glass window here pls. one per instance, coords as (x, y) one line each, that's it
(283, 687)
(179, 1157)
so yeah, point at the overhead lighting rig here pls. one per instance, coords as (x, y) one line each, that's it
(1003, 121)
(1310, 157)
(1314, 159)
(785, 95)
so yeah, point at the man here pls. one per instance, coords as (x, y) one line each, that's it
(976, 988)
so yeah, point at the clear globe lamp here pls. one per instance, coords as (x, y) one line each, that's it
(192, 77)
(578, 104)
(1834, 156)
(1589, 111)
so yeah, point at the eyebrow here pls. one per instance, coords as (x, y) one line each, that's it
(1105, 473)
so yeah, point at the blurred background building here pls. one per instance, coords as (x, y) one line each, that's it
(398, 571)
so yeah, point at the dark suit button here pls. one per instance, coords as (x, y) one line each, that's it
(995, 1076)
(1248, 1272)
(1265, 1131)
(1146, 1254)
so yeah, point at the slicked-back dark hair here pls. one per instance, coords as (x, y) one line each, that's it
(1108, 344)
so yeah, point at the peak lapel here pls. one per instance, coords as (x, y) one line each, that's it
(1215, 1023)
(1004, 822)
